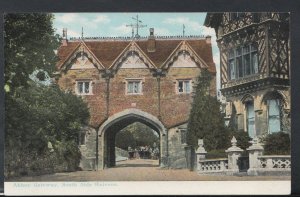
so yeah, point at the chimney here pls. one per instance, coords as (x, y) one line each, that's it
(151, 41)
(208, 39)
(64, 37)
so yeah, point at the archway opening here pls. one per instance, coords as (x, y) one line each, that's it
(137, 145)
(121, 122)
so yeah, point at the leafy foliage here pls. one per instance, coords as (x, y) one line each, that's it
(37, 115)
(29, 44)
(242, 137)
(40, 115)
(213, 154)
(136, 134)
(206, 121)
(277, 144)
(124, 139)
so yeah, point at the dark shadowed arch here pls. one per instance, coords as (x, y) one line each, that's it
(109, 129)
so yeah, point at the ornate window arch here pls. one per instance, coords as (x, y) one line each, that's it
(249, 115)
(274, 102)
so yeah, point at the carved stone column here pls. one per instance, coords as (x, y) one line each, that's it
(254, 151)
(234, 153)
(200, 153)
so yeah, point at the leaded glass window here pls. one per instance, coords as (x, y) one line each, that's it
(242, 61)
(134, 87)
(83, 87)
(184, 86)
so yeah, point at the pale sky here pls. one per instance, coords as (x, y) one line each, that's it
(114, 24)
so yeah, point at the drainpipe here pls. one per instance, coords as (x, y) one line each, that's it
(158, 74)
(158, 86)
(97, 149)
(107, 79)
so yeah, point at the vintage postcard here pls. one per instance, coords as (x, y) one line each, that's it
(147, 103)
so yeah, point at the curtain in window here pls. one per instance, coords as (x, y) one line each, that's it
(86, 87)
(239, 62)
(130, 87)
(187, 86)
(246, 58)
(180, 86)
(250, 119)
(136, 87)
(80, 87)
(274, 115)
(232, 69)
(255, 62)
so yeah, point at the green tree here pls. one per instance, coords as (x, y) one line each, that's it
(30, 44)
(124, 139)
(136, 134)
(42, 123)
(206, 121)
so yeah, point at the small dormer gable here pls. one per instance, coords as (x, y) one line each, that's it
(81, 58)
(132, 57)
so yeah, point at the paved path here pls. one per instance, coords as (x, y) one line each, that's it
(142, 170)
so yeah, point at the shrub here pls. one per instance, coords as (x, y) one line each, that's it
(214, 154)
(277, 144)
(243, 139)
(67, 156)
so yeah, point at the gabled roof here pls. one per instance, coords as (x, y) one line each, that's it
(133, 46)
(107, 51)
(163, 48)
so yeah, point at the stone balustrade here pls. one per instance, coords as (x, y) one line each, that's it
(258, 164)
(275, 162)
(213, 165)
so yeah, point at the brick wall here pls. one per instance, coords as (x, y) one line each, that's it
(175, 107)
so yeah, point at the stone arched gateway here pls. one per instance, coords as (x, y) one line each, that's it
(109, 129)
(149, 80)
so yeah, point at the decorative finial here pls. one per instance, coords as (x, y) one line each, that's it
(201, 148)
(82, 33)
(200, 142)
(183, 31)
(254, 141)
(233, 141)
(64, 33)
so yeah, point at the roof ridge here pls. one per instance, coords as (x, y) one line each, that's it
(124, 38)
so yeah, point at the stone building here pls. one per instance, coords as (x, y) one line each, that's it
(254, 65)
(125, 80)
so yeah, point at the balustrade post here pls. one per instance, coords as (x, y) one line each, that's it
(200, 153)
(222, 166)
(269, 163)
(255, 150)
(234, 153)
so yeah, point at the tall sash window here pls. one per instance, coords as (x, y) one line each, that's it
(274, 115)
(250, 120)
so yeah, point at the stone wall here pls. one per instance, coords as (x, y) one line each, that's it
(260, 109)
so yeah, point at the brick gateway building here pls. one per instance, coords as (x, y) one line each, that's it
(124, 80)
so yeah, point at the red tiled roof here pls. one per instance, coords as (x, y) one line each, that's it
(64, 52)
(107, 51)
(163, 49)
